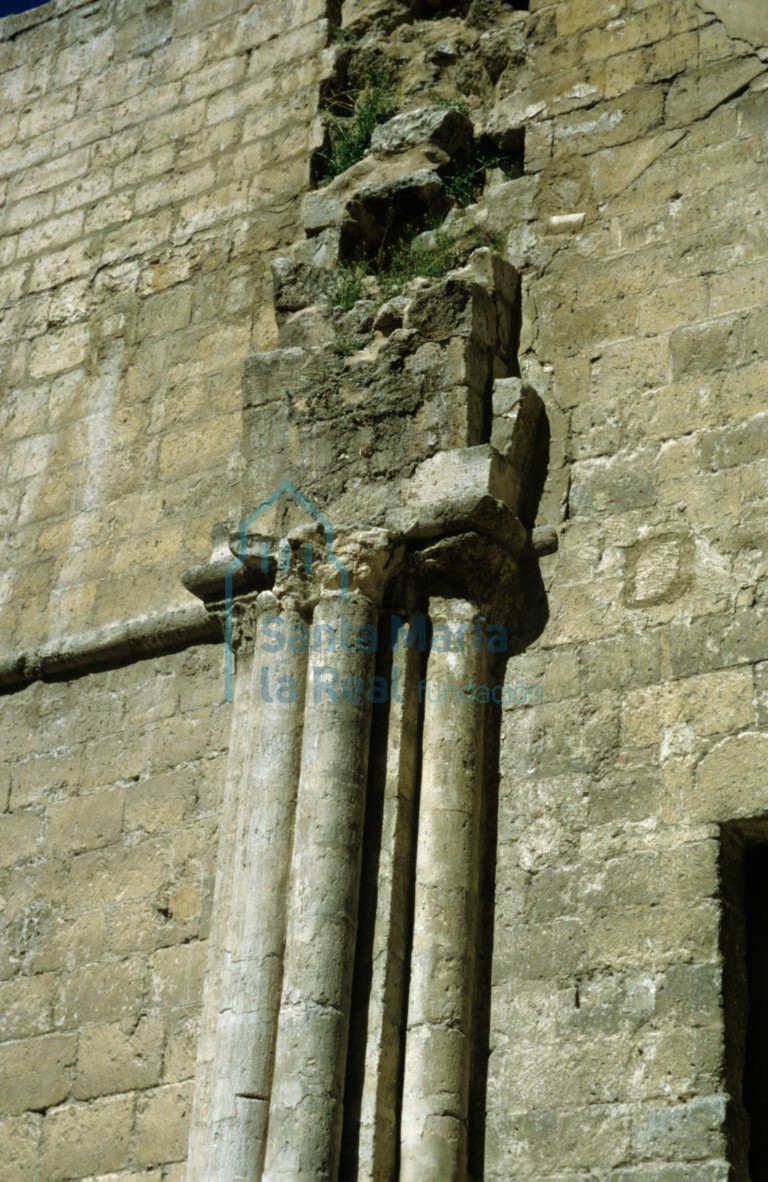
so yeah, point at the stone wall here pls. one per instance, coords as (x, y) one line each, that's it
(646, 312)
(151, 154)
(111, 791)
(152, 159)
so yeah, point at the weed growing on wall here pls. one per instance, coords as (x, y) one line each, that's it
(350, 135)
(432, 256)
(346, 344)
(466, 180)
(448, 102)
(429, 255)
(348, 286)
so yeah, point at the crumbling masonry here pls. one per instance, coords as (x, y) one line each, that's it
(446, 322)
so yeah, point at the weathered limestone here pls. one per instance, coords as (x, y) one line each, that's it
(371, 1117)
(353, 205)
(446, 128)
(747, 20)
(212, 1132)
(431, 382)
(154, 157)
(114, 642)
(457, 335)
(269, 1023)
(115, 293)
(243, 993)
(305, 1118)
(439, 1038)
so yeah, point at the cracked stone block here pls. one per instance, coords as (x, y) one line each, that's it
(447, 128)
(391, 315)
(378, 208)
(464, 472)
(328, 206)
(296, 284)
(517, 411)
(455, 307)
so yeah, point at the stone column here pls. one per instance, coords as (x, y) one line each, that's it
(433, 1132)
(243, 989)
(305, 1118)
(371, 1131)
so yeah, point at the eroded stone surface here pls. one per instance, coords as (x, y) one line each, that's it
(152, 162)
(449, 129)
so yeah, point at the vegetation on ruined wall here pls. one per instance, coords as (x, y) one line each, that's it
(348, 286)
(430, 255)
(350, 134)
(465, 182)
(362, 97)
(135, 254)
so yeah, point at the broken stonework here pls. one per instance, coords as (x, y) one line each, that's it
(515, 364)
(448, 129)
(448, 500)
(413, 171)
(430, 381)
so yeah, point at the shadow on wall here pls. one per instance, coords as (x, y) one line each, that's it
(534, 609)
(532, 617)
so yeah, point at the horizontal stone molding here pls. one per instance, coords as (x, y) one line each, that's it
(129, 639)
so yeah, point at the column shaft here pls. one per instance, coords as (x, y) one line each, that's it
(307, 1092)
(241, 1008)
(439, 1031)
(390, 882)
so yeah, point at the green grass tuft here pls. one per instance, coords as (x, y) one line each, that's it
(348, 286)
(346, 344)
(410, 259)
(350, 135)
(466, 182)
(455, 103)
(405, 262)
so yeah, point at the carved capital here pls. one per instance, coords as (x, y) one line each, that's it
(312, 561)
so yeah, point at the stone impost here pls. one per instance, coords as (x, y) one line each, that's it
(439, 1024)
(305, 1118)
(243, 989)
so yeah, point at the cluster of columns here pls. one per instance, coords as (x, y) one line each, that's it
(270, 1087)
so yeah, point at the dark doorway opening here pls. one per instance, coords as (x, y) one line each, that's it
(756, 1054)
(744, 894)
